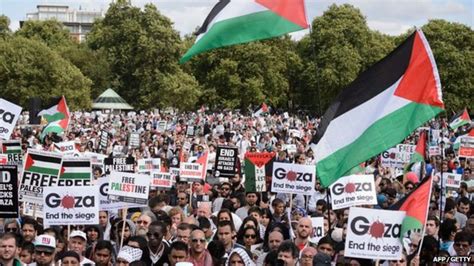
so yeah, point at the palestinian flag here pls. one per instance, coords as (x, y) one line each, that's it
(11, 147)
(76, 168)
(261, 111)
(416, 205)
(203, 160)
(379, 109)
(57, 117)
(459, 120)
(258, 166)
(233, 22)
(417, 157)
(47, 163)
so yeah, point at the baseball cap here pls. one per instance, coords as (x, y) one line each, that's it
(77, 233)
(45, 242)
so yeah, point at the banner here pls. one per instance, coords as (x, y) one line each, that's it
(134, 140)
(318, 229)
(40, 169)
(161, 180)
(129, 187)
(9, 191)
(9, 114)
(119, 164)
(466, 147)
(12, 149)
(149, 165)
(257, 168)
(226, 161)
(451, 180)
(353, 190)
(190, 172)
(75, 171)
(374, 234)
(66, 148)
(70, 205)
(293, 178)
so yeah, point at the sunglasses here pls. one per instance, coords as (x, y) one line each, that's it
(142, 222)
(11, 229)
(202, 240)
(250, 236)
(47, 253)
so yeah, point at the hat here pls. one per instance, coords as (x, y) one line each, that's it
(45, 241)
(135, 216)
(77, 233)
(322, 259)
(130, 254)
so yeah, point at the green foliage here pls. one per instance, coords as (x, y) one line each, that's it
(51, 32)
(452, 45)
(30, 69)
(4, 26)
(143, 51)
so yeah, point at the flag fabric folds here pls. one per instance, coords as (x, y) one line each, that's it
(57, 117)
(233, 22)
(459, 120)
(261, 111)
(379, 109)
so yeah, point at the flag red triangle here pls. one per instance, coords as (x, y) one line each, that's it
(421, 146)
(471, 133)
(292, 10)
(465, 115)
(29, 162)
(62, 170)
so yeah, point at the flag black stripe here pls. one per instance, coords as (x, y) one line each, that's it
(76, 164)
(215, 10)
(11, 144)
(370, 83)
(46, 158)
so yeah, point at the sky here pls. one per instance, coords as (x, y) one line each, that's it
(392, 17)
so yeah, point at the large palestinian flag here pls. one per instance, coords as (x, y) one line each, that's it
(76, 168)
(47, 163)
(232, 22)
(379, 109)
(57, 117)
(416, 206)
(460, 119)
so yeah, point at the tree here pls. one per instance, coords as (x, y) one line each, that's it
(31, 69)
(452, 48)
(339, 48)
(143, 51)
(51, 32)
(4, 26)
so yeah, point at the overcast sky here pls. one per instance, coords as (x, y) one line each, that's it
(388, 16)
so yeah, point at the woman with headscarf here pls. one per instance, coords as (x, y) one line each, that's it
(240, 256)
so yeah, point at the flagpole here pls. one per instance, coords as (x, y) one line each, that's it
(420, 245)
(329, 211)
(124, 218)
(441, 195)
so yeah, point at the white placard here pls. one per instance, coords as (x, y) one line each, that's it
(434, 151)
(129, 187)
(161, 180)
(190, 171)
(353, 190)
(318, 229)
(452, 180)
(293, 178)
(70, 205)
(149, 165)
(374, 234)
(66, 147)
(9, 114)
(105, 204)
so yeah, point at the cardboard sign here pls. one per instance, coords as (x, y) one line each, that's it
(161, 180)
(374, 234)
(451, 180)
(190, 172)
(466, 147)
(353, 190)
(119, 164)
(66, 148)
(40, 169)
(258, 166)
(149, 165)
(105, 204)
(134, 140)
(9, 191)
(293, 178)
(434, 151)
(9, 114)
(70, 205)
(226, 161)
(129, 187)
(389, 158)
(104, 140)
(75, 171)
(291, 148)
(318, 229)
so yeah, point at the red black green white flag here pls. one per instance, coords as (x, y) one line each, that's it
(257, 169)
(47, 163)
(234, 22)
(11, 147)
(379, 109)
(57, 117)
(459, 120)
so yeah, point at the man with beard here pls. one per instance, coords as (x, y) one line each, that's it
(318, 194)
(103, 253)
(29, 229)
(224, 193)
(237, 186)
(159, 250)
(77, 243)
(45, 250)
(143, 223)
(8, 250)
(303, 233)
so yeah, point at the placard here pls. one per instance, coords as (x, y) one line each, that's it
(70, 205)
(66, 147)
(451, 180)
(75, 171)
(104, 140)
(434, 150)
(9, 114)
(190, 172)
(190, 131)
(134, 140)
(119, 164)
(226, 161)
(374, 234)
(318, 229)
(161, 180)
(466, 147)
(129, 187)
(161, 127)
(353, 190)
(9, 191)
(149, 165)
(257, 167)
(293, 178)
(105, 204)
(12, 149)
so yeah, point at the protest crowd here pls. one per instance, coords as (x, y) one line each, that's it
(223, 212)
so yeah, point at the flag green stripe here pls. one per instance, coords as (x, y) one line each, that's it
(416, 157)
(54, 117)
(409, 223)
(251, 27)
(12, 151)
(42, 170)
(76, 176)
(249, 170)
(370, 143)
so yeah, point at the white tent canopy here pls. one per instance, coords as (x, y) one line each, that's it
(109, 99)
